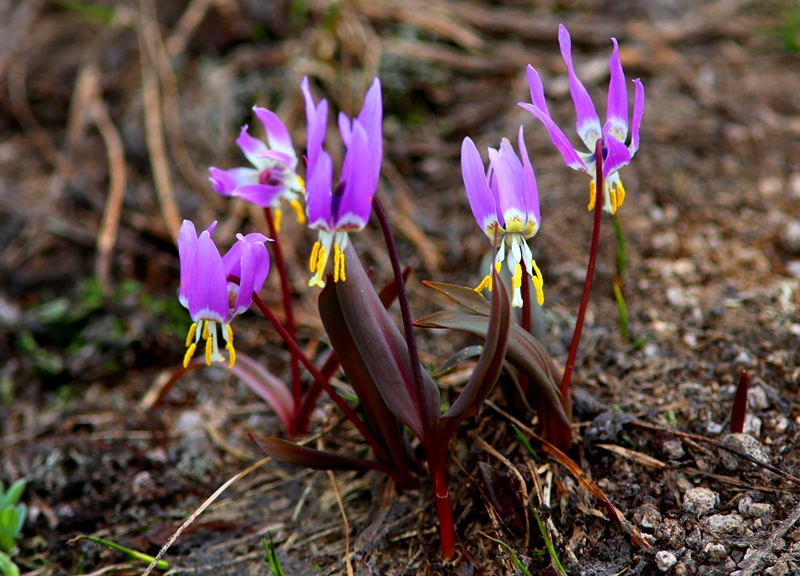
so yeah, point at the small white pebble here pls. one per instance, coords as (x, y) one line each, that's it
(665, 560)
(699, 501)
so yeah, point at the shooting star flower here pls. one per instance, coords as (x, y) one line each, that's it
(614, 133)
(505, 203)
(274, 175)
(335, 212)
(206, 292)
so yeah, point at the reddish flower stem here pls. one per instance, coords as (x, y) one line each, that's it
(416, 390)
(297, 386)
(444, 507)
(587, 285)
(320, 378)
(739, 410)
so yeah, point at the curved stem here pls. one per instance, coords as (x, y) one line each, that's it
(587, 285)
(417, 391)
(297, 387)
(444, 507)
(320, 378)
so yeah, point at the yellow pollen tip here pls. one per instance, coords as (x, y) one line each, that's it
(518, 276)
(312, 263)
(485, 283)
(192, 333)
(302, 185)
(209, 351)
(538, 283)
(229, 346)
(613, 195)
(620, 193)
(206, 334)
(278, 219)
(189, 354)
(338, 264)
(497, 266)
(298, 210)
(592, 195)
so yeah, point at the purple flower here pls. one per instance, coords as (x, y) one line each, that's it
(505, 203)
(346, 208)
(274, 175)
(206, 292)
(614, 133)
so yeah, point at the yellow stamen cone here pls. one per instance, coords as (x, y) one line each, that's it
(209, 351)
(302, 184)
(278, 219)
(189, 354)
(206, 333)
(620, 193)
(538, 283)
(229, 346)
(312, 263)
(192, 333)
(592, 195)
(613, 194)
(485, 283)
(298, 210)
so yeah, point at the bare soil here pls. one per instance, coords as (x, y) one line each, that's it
(125, 104)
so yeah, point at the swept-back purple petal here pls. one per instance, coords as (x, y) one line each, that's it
(277, 135)
(638, 112)
(531, 189)
(259, 194)
(617, 113)
(318, 193)
(371, 118)
(317, 122)
(355, 205)
(559, 139)
(251, 147)
(207, 290)
(279, 157)
(588, 124)
(254, 267)
(617, 156)
(478, 192)
(187, 247)
(510, 182)
(231, 262)
(345, 127)
(226, 181)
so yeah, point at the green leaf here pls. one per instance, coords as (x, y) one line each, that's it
(7, 566)
(133, 554)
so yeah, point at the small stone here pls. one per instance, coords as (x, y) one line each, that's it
(647, 517)
(715, 552)
(760, 509)
(752, 425)
(665, 560)
(757, 398)
(723, 523)
(744, 505)
(744, 443)
(670, 532)
(780, 569)
(791, 237)
(700, 501)
(673, 449)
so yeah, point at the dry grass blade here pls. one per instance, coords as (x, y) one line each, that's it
(109, 227)
(153, 116)
(637, 457)
(349, 564)
(190, 20)
(482, 444)
(583, 479)
(200, 510)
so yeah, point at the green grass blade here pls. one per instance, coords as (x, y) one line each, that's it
(134, 554)
(524, 442)
(549, 544)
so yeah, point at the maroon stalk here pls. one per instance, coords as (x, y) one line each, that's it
(739, 410)
(297, 388)
(587, 285)
(444, 506)
(417, 392)
(320, 378)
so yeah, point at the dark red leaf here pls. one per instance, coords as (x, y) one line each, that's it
(291, 453)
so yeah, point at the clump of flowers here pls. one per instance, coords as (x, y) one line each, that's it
(396, 395)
